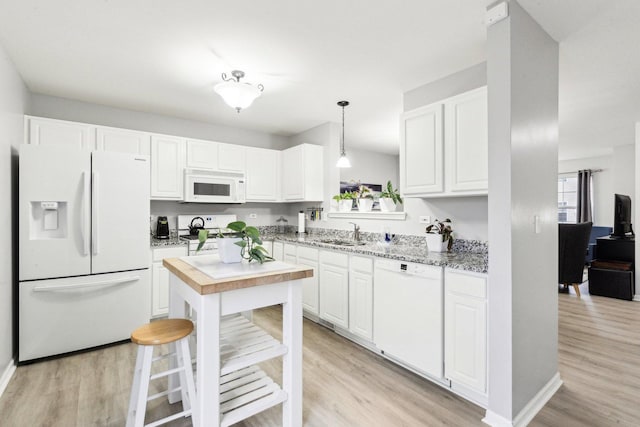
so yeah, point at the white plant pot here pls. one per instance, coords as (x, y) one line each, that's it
(365, 205)
(387, 204)
(435, 243)
(228, 251)
(345, 205)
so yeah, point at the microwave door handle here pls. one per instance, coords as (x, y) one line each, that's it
(84, 213)
(94, 213)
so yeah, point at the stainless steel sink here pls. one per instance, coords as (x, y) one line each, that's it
(343, 242)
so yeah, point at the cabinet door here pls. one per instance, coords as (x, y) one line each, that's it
(310, 297)
(263, 167)
(167, 167)
(230, 157)
(202, 154)
(361, 297)
(466, 331)
(123, 141)
(334, 288)
(466, 142)
(293, 174)
(278, 251)
(159, 290)
(51, 132)
(421, 151)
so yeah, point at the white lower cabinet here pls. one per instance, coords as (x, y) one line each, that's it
(361, 297)
(310, 297)
(334, 288)
(278, 251)
(465, 340)
(160, 278)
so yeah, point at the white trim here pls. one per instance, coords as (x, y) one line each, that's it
(401, 216)
(6, 375)
(636, 297)
(530, 410)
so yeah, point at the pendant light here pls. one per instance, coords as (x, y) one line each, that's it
(237, 94)
(343, 161)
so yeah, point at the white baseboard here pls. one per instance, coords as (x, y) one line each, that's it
(6, 375)
(530, 410)
(636, 297)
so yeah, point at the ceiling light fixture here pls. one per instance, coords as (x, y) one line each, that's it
(236, 94)
(343, 161)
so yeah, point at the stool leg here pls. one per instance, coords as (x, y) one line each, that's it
(187, 383)
(140, 387)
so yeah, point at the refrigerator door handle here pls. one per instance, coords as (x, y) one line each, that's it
(85, 213)
(73, 287)
(94, 213)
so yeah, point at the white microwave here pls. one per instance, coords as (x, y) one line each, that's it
(205, 186)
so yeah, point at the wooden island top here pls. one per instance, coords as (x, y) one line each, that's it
(205, 284)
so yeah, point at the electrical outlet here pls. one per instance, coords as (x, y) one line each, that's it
(425, 219)
(253, 216)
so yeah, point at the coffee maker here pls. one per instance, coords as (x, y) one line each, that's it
(162, 228)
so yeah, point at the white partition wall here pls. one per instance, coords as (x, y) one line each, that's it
(636, 220)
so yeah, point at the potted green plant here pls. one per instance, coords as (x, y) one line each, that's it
(389, 198)
(440, 236)
(243, 243)
(345, 201)
(364, 198)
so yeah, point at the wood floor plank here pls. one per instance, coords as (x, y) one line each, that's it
(346, 385)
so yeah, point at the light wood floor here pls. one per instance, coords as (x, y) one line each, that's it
(345, 385)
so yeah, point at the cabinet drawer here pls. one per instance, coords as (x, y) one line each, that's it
(466, 284)
(361, 264)
(289, 249)
(308, 253)
(334, 258)
(174, 252)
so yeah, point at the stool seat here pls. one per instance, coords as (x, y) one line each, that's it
(162, 331)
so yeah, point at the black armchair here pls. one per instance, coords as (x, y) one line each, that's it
(573, 241)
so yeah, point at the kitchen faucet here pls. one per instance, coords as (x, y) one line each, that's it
(356, 232)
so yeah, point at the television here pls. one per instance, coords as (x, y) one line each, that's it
(622, 217)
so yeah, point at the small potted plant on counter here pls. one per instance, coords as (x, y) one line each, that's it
(439, 236)
(345, 201)
(364, 198)
(243, 243)
(389, 198)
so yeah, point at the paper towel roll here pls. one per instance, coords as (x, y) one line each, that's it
(301, 222)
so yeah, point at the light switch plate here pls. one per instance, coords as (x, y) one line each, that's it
(497, 13)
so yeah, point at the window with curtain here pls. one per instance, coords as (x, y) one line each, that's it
(567, 198)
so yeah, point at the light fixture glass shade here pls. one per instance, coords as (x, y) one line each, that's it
(237, 95)
(343, 161)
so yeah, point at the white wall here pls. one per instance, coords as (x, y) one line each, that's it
(602, 185)
(14, 102)
(624, 174)
(68, 109)
(522, 73)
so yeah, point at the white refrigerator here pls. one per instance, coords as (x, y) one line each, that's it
(83, 249)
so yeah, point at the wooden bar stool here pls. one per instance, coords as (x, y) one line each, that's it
(148, 337)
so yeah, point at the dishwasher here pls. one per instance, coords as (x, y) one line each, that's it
(408, 315)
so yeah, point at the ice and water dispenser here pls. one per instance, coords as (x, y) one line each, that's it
(48, 220)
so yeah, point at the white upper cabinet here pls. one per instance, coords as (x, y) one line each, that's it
(262, 175)
(444, 147)
(167, 167)
(302, 173)
(50, 132)
(122, 140)
(421, 151)
(466, 142)
(231, 157)
(202, 154)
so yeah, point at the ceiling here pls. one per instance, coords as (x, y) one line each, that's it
(164, 57)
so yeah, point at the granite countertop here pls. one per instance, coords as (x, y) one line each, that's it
(173, 241)
(468, 261)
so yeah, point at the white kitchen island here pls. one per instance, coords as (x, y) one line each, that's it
(229, 385)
